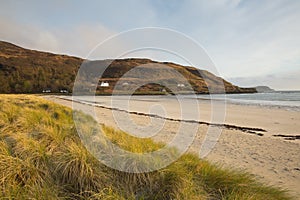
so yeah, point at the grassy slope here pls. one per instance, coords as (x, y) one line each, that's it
(41, 157)
(29, 71)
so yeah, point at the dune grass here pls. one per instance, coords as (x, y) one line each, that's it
(42, 157)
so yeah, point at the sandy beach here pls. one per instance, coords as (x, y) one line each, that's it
(248, 141)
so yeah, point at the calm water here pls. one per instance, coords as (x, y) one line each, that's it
(282, 99)
(288, 100)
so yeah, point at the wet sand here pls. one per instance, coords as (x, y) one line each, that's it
(273, 160)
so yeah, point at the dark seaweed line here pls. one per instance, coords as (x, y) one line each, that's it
(288, 137)
(255, 131)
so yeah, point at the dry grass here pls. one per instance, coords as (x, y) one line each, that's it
(41, 157)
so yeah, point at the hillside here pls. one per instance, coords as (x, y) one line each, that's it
(29, 71)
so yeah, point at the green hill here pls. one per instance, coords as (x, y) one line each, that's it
(29, 71)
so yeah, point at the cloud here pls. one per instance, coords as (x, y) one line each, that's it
(278, 81)
(243, 37)
(28, 36)
(77, 41)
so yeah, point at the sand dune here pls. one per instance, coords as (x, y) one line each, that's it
(273, 160)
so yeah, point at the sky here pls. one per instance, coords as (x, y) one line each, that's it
(251, 42)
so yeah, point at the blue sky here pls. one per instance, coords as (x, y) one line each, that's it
(252, 42)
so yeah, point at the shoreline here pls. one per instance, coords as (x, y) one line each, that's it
(268, 120)
(251, 130)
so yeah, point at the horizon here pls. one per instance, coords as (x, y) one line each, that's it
(251, 42)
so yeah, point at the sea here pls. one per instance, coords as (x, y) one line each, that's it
(289, 100)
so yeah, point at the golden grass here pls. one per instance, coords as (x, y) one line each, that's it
(41, 157)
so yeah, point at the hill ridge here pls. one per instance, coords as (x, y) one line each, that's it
(32, 71)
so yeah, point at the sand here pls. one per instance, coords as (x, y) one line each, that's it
(272, 160)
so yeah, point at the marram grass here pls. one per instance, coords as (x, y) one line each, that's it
(41, 157)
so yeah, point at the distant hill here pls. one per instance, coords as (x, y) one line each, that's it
(29, 71)
(262, 89)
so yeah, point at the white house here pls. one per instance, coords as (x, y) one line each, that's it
(46, 91)
(104, 84)
(63, 91)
